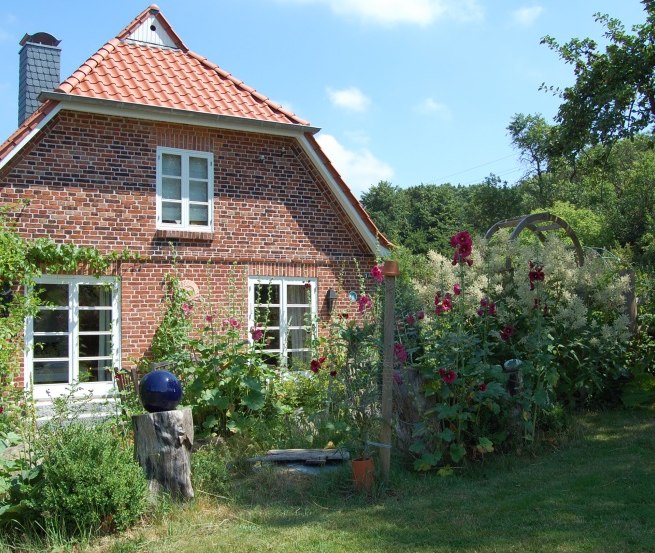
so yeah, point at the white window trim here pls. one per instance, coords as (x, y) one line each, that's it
(46, 391)
(184, 225)
(284, 326)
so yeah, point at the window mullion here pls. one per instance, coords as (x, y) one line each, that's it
(185, 190)
(73, 330)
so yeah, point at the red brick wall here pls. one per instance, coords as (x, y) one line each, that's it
(90, 179)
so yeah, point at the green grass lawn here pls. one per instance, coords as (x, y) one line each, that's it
(593, 492)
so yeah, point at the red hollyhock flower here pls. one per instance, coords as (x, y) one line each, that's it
(400, 352)
(209, 319)
(364, 302)
(333, 374)
(457, 289)
(321, 360)
(377, 274)
(314, 366)
(447, 303)
(536, 274)
(507, 332)
(482, 387)
(410, 319)
(256, 333)
(449, 377)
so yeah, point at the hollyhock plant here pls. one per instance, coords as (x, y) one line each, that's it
(463, 244)
(377, 274)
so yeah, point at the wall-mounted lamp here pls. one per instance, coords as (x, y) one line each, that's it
(331, 299)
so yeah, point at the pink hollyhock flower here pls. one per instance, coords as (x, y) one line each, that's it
(186, 309)
(447, 303)
(457, 289)
(400, 352)
(314, 366)
(257, 333)
(209, 319)
(364, 302)
(377, 274)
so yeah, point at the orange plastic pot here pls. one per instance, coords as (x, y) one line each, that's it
(363, 473)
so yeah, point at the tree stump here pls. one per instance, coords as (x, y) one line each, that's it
(162, 443)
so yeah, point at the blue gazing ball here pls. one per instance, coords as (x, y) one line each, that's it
(160, 391)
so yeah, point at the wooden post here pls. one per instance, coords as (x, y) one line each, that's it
(162, 443)
(390, 273)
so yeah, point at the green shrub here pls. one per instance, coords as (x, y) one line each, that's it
(91, 481)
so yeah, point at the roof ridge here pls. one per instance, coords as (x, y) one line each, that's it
(87, 67)
(139, 19)
(274, 105)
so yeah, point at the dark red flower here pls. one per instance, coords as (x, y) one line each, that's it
(400, 352)
(257, 333)
(321, 360)
(449, 377)
(314, 366)
(333, 373)
(410, 319)
(447, 303)
(2, 409)
(308, 284)
(420, 315)
(536, 274)
(377, 274)
(364, 303)
(457, 289)
(507, 332)
(482, 387)
(463, 245)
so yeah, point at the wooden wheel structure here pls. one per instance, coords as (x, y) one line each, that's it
(539, 223)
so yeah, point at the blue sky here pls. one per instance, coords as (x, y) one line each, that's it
(410, 91)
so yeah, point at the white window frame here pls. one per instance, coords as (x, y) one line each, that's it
(285, 327)
(185, 201)
(46, 391)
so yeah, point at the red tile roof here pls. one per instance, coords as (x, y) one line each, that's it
(126, 70)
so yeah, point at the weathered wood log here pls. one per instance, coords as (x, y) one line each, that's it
(162, 443)
(307, 456)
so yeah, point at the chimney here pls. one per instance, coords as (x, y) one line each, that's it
(39, 60)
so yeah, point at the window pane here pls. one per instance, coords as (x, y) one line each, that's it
(198, 215)
(94, 295)
(298, 293)
(298, 316)
(268, 316)
(50, 372)
(94, 345)
(198, 168)
(95, 371)
(54, 294)
(171, 188)
(298, 339)
(171, 212)
(50, 346)
(267, 294)
(95, 320)
(171, 165)
(272, 339)
(51, 321)
(198, 191)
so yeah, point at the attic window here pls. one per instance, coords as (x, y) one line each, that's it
(185, 189)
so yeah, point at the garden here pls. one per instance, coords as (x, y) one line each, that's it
(505, 355)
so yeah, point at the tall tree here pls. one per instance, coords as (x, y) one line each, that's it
(613, 96)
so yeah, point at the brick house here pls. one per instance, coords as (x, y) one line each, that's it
(151, 147)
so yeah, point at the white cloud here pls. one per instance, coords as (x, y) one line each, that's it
(359, 168)
(430, 106)
(390, 12)
(349, 98)
(527, 15)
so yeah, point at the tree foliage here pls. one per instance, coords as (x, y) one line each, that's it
(613, 96)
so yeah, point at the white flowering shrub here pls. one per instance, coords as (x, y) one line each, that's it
(502, 300)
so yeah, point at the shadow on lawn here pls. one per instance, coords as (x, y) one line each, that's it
(593, 494)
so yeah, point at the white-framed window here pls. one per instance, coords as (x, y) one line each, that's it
(285, 309)
(74, 337)
(185, 189)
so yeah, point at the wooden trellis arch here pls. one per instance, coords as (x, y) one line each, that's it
(539, 223)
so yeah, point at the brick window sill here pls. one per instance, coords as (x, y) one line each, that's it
(205, 235)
